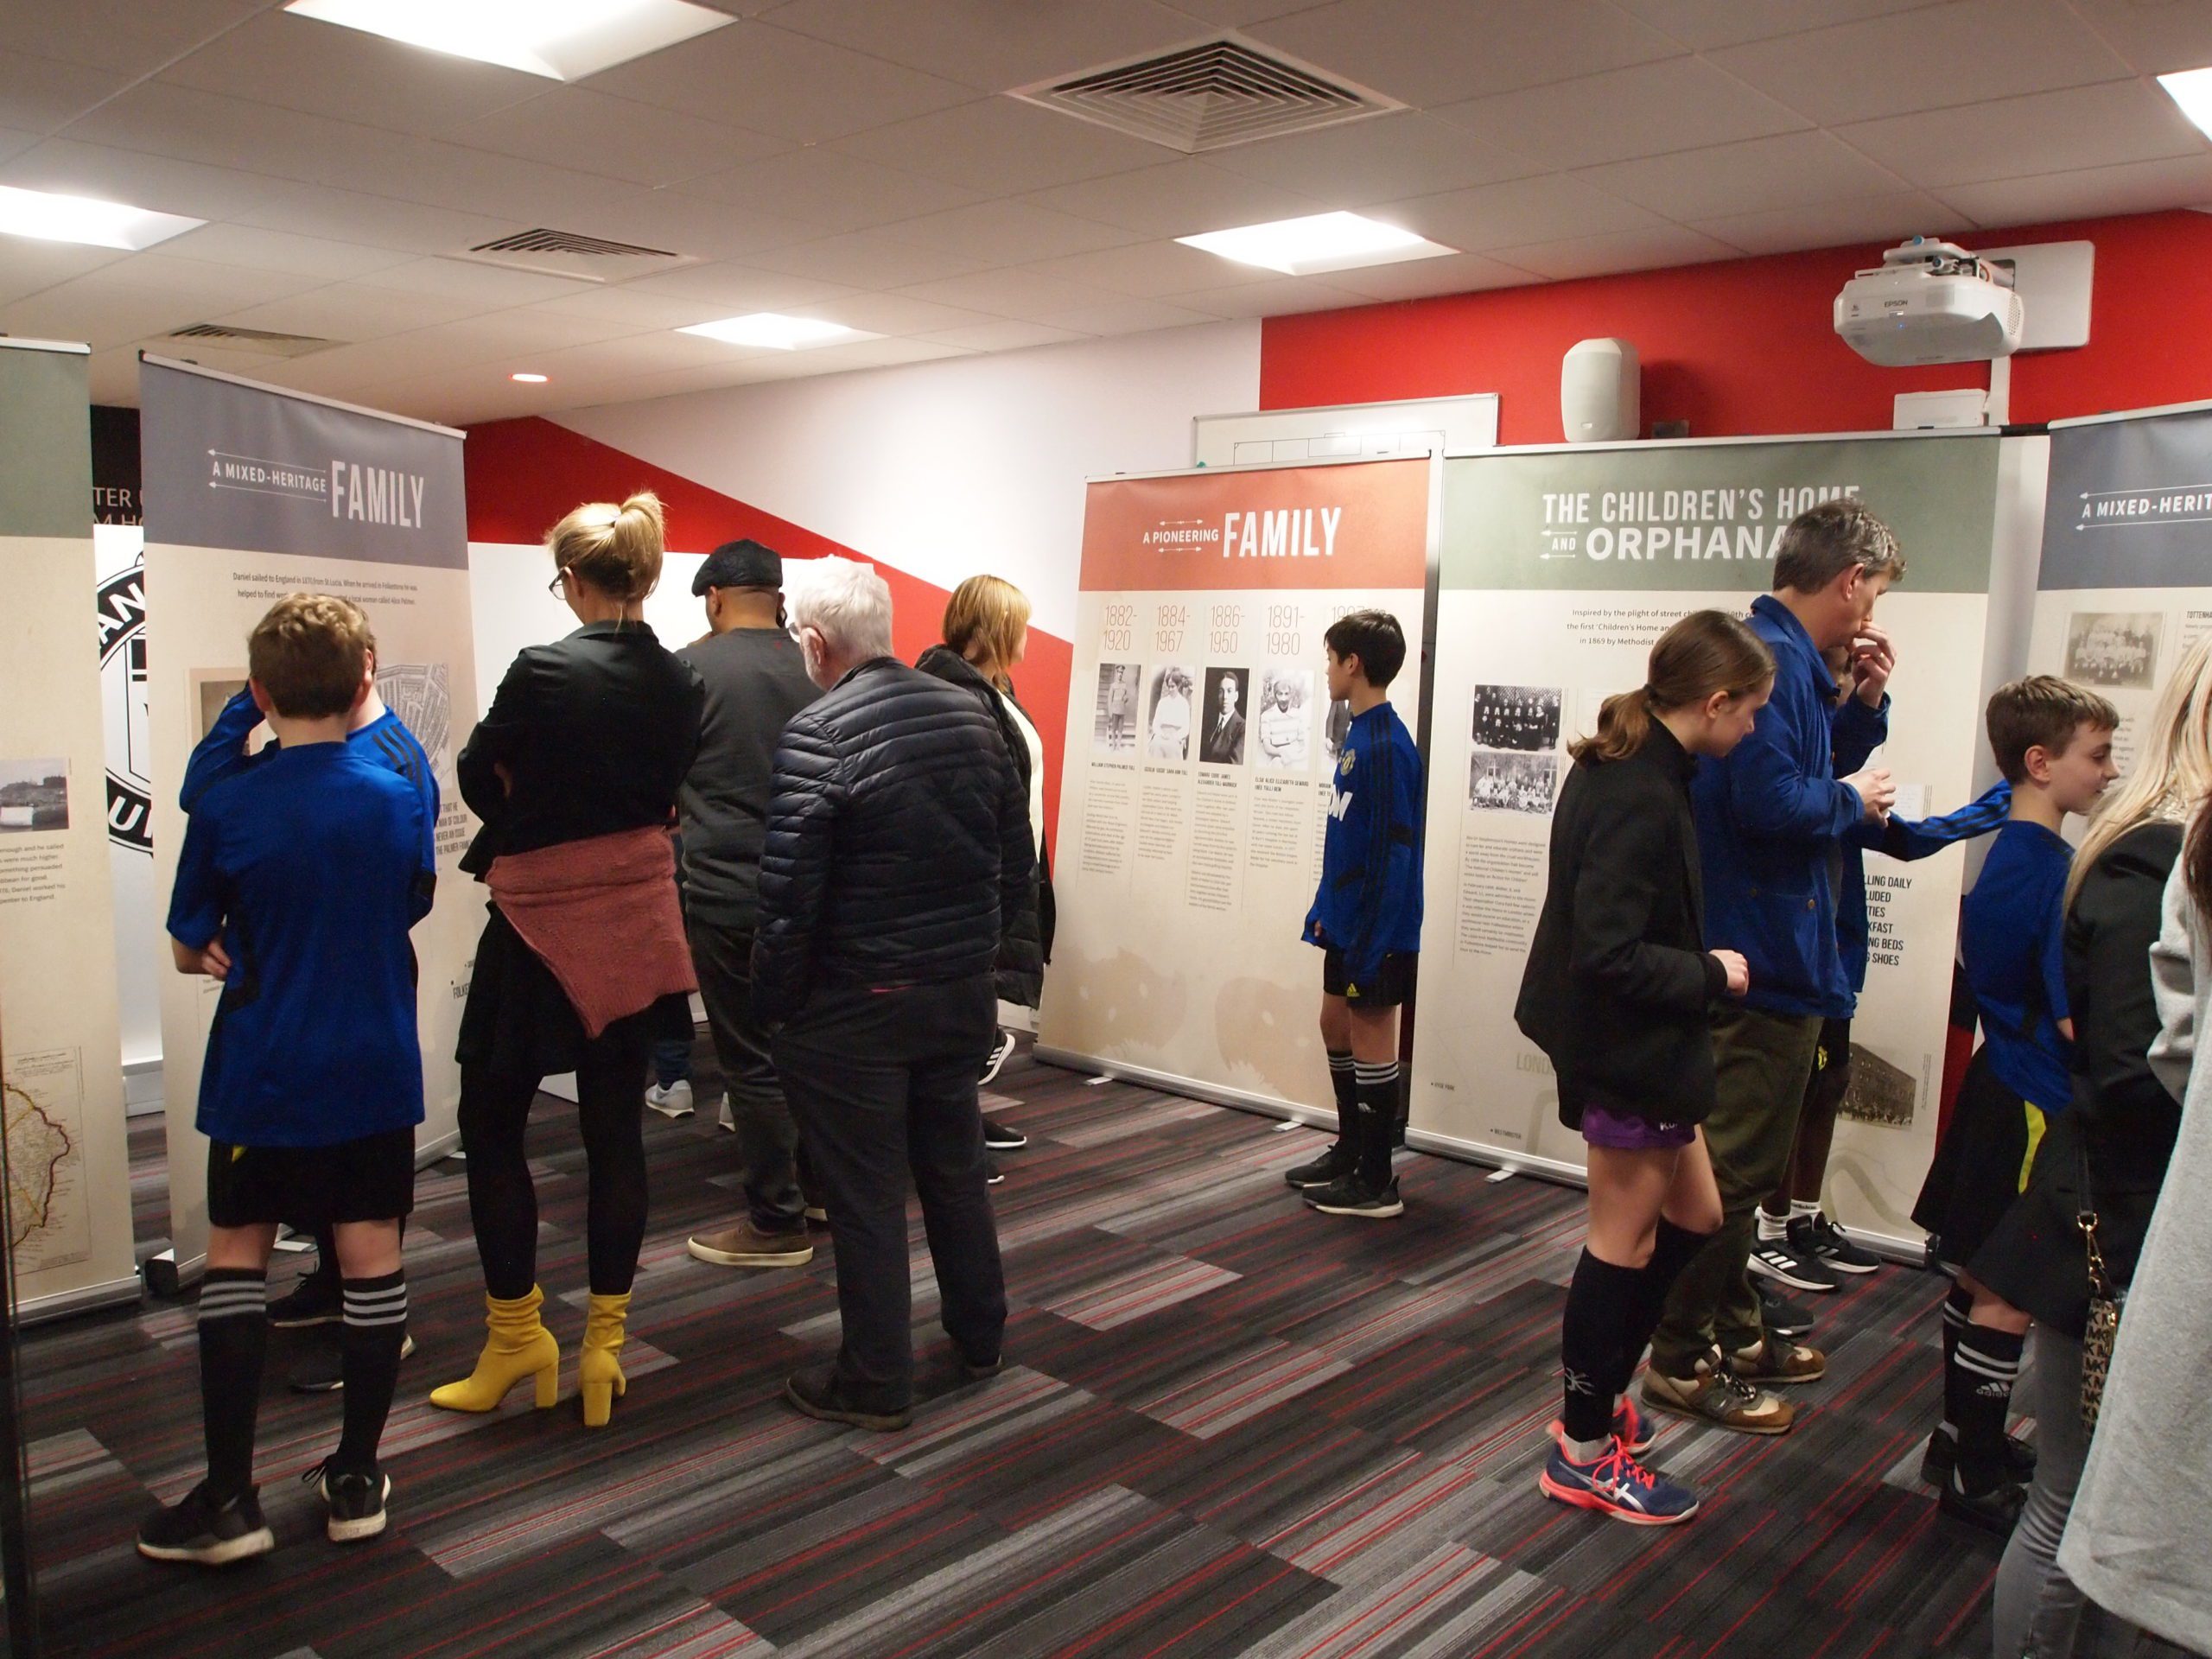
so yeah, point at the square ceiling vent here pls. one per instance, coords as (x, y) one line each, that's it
(571, 254)
(1210, 96)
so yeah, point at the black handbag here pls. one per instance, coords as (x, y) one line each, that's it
(2102, 1329)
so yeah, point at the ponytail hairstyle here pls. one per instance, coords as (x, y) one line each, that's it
(1704, 652)
(984, 622)
(615, 549)
(2172, 770)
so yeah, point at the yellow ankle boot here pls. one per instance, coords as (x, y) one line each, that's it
(519, 1346)
(599, 1369)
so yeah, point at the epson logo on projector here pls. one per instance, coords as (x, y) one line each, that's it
(378, 495)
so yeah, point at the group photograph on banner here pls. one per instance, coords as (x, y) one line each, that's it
(1201, 744)
(68, 1200)
(253, 492)
(1558, 570)
(2125, 586)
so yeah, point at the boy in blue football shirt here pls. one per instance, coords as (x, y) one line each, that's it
(1366, 918)
(299, 878)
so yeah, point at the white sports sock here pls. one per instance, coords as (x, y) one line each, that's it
(1771, 1230)
(1800, 1207)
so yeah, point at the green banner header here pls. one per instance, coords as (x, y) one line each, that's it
(1707, 518)
(46, 444)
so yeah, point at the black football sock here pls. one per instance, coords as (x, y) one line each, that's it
(233, 1337)
(1346, 1088)
(1956, 1306)
(1377, 1085)
(1601, 1298)
(1988, 1363)
(1672, 1250)
(369, 1341)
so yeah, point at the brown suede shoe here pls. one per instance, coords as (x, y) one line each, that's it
(1716, 1395)
(746, 1246)
(1777, 1359)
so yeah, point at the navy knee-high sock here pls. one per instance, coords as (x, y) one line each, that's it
(1345, 1085)
(370, 1340)
(1377, 1086)
(233, 1337)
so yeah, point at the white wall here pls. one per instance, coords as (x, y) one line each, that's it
(945, 468)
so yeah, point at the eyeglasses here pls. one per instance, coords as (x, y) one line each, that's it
(553, 586)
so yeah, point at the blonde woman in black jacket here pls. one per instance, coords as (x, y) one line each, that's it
(1617, 993)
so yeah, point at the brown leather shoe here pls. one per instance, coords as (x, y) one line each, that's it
(1714, 1394)
(746, 1246)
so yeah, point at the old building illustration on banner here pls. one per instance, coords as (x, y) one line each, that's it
(1200, 746)
(1558, 570)
(254, 493)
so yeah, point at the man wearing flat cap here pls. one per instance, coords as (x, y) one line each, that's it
(756, 681)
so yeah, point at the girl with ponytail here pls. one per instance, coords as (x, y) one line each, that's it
(1617, 993)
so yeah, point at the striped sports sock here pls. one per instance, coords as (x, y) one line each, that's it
(370, 1341)
(233, 1337)
(1376, 1084)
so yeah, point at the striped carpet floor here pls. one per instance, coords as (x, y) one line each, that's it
(1228, 1426)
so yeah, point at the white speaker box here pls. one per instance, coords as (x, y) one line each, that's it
(1600, 392)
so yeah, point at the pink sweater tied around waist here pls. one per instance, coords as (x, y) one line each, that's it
(602, 915)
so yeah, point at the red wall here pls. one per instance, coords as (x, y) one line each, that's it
(1747, 347)
(522, 475)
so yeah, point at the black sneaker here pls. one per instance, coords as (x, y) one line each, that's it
(1994, 1510)
(1781, 1315)
(1332, 1166)
(1003, 1137)
(1348, 1196)
(1774, 1258)
(356, 1498)
(1817, 1237)
(324, 1370)
(1001, 1052)
(199, 1529)
(1943, 1456)
(816, 1392)
(317, 1299)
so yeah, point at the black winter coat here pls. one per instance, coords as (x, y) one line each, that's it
(897, 835)
(1026, 943)
(1619, 983)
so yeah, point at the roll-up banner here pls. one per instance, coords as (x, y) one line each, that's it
(253, 492)
(68, 1167)
(1558, 569)
(1200, 746)
(2125, 587)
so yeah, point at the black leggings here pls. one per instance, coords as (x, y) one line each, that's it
(503, 1203)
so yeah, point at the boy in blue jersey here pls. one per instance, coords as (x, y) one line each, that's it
(1366, 918)
(2053, 742)
(299, 878)
(317, 1298)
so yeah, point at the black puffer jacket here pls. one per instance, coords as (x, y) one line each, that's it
(1025, 943)
(897, 835)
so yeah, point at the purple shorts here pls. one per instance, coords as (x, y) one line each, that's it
(1624, 1133)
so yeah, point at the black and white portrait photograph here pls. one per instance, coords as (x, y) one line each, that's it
(1114, 722)
(1221, 739)
(1508, 781)
(1168, 713)
(1523, 718)
(1285, 719)
(2113, 648)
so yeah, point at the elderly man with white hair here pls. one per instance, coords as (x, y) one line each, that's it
(897, 834)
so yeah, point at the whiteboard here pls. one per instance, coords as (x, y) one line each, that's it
(1456, 426)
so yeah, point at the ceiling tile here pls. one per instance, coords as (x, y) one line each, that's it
(1010, 232)
(519, 333)
(626, 307)
(1180, 199)
(2134, 187)
(42, 94)
(160, 182)
(342, 215)
(293, 62)
(736, 290)
(2153, 35)
(1028, 295)
(1779, 172)
(618, 138)
(13, 142)
(1677, 103)
(1129, 317)
(705, 230)
(1235, 14)
(1887, 217)
(828, 188)
(1704, 24)
(349, 311)
(993, 45)
(2047, 132)
(892, 313)
(1424, 54)
(1148, 269)
(1413, 279)
(772, 80)
(1280, 297)
(1002, 146)
(115, 375)
(27, 265)
(639, 355)
(1379, 159)
(871, 259)
(307, 256)
(485, 287)
(1518, 213)
(1963, 53)
(1008, 336)
(145, 294)
(127, 36)
(1598, 255)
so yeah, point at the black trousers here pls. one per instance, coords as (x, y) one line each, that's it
(766, 1136)
(883, 1084)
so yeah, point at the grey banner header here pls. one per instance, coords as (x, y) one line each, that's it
(2130, 505)
(236, 465)
(46, 443)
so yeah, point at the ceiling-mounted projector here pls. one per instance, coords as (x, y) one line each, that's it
(1929, 302)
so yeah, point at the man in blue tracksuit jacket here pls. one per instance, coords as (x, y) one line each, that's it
(1770, 820)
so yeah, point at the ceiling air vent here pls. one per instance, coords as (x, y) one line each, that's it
(1208, 96)
(258, 342)
(565, 253)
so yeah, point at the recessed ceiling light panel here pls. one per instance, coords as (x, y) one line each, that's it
(2192, 90)
(562, 39)
(776, 332)
(50, 218)
(529, 380)
(1318, 243)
